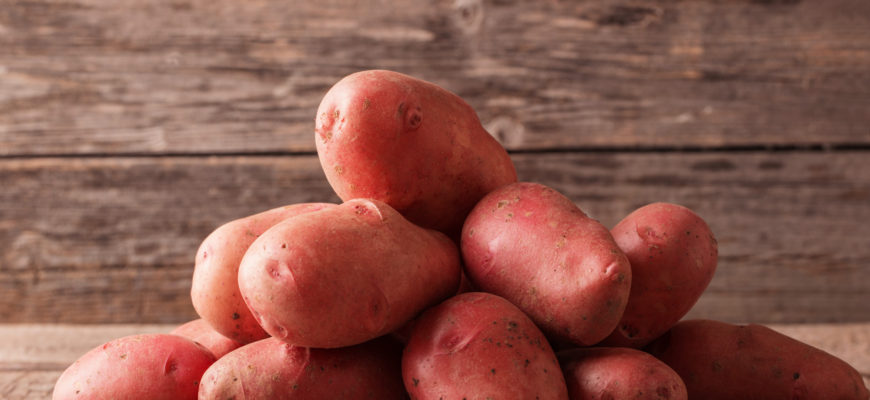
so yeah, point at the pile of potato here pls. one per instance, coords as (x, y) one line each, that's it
(442, 277)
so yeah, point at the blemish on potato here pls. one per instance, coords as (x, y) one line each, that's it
(414, 119)
(339, 169)
(170, 366)
(366, 103)
(401, 111)
(236, 316)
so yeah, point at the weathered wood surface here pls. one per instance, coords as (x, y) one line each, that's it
(112, 239)
(206, 77)
(32, 357)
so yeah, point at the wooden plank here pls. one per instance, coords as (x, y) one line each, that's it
(112, 240)
(185, 76)
(32, 357)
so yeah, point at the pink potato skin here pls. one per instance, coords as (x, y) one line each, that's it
(345, 275)
(201, 332)
(273, 370)
(718, 360)
(478, 346)
(411, 144)
(673, 257)
(610, 373)
(531, 245)
(215, 290)
(152, 366)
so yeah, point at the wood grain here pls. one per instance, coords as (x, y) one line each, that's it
(32, 357)
(102, 240)
(206, 77)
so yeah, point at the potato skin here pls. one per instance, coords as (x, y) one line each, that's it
(673, 257)
(479, 346)
(411, 144)
(531, 245)
(152, 366)
(201, 332)
(718, 360)
(607, 373)
(346, 274)
(215, 291)
(271, 370)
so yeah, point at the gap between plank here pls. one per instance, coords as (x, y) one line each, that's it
(770, 148)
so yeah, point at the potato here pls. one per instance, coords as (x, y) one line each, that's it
(608, 373)
(673, 257)
(152, 366)
(273, 370)
(718, 360)
(201, 332)
(480, 346)
(346, 274)
(215, 289)
(531, 245)
(411, 144)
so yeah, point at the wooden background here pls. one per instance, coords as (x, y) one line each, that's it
(129, 130)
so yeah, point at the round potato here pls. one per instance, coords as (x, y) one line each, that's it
(608, 373)
(480, 346)
(531, 245)
(719, 361)
(673, 257)
(215, 289)
(411, 144)
(346, 274)
(273, 370)
(152, 366)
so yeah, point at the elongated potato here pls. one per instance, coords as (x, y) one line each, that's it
(718, 360)
(480, 346)
(673, 257)
(411, 144)
(273, 370)
(153, 366)
(610, 373)
(531, 245)
(215, 289)
(201, 332)
(346, 274)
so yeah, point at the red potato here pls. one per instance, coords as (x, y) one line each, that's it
(531, 245)
(723, 361)
(215, 290)
(273, 370)
(411, 144)
(673, 257)
(153, 366)
(346, 274)
(480, 346)
(609, 373)
(201, 332)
